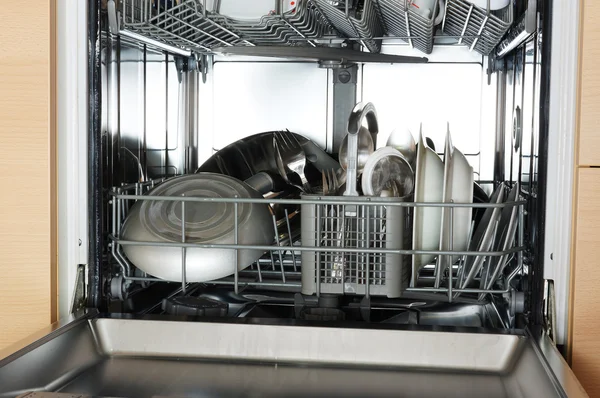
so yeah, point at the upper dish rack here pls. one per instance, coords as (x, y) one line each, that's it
(191, 25)
(480, 29)
(377, 261)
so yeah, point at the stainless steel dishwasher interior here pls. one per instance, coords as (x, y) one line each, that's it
(121, 357)
(163, 116)
(155, 117)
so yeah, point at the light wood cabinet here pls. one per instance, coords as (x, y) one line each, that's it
(585, 305)
(27, 170)
(585, 346)
(589, 129)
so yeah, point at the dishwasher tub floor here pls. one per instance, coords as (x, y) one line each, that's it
(120, 357)
(137, 377)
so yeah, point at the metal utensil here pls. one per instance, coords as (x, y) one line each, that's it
(290, 157)
(365, 148)
(388, 169)
(330, 182)
(403, 141)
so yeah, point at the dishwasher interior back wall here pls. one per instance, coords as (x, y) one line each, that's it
(160, 123)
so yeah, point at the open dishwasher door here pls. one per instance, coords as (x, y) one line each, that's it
(124, 357)
(130, 353)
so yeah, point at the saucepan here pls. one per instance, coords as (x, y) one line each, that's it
(205, 222)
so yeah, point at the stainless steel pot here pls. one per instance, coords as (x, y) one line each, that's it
(205, 223)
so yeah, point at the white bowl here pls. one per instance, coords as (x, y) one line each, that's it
(440, 13)
(423, 7)
(458, 188)
(427, 220)
(205, 223)
(252, 10)
(494, 4)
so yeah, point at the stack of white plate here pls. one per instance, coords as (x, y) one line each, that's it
(443, 228)
(456, 222)
(429, 183)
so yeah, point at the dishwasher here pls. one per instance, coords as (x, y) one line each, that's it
(311, 198)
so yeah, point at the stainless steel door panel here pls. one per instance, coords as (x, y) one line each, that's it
(129, 357)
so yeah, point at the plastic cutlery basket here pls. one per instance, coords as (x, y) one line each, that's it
(351, 244)
(400, 19)
(361, 23)
(479, 28)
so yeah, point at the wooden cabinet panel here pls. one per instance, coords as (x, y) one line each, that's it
(589, 131)
(586, 287)
(27, 248)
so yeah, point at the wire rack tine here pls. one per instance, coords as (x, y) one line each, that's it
(183, 249)
(279, 251)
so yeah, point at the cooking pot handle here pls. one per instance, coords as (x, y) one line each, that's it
(361, 111)
(357, 115)
(263, 182)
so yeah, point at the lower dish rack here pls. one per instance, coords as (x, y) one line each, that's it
(358, 246)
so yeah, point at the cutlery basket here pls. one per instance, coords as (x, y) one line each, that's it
(401, 20)
(360, 23)
(354, 239)
(479, 28)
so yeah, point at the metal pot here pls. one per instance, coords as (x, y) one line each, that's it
(205, 223)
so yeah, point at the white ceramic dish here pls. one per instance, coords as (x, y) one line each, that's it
(458, 188)
(429, 184)
(254, 9)
(205, 222)
(423, 7)
(494, 4)
(483, 238)
(387, 169)
(440, 12)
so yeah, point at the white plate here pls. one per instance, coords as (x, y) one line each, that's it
(483, 238)
(458, 188)
(429, 184)
(387, 166)
(254, 9)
